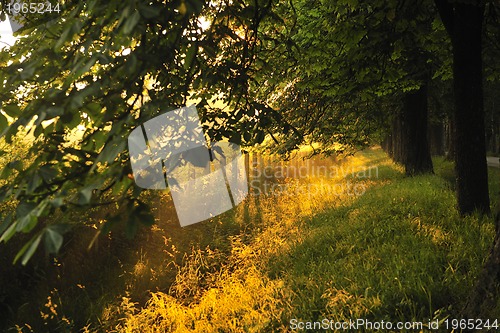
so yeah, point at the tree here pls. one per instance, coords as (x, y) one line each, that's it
(378, 63)
(417, 157)
(79, 81)
(464, 24)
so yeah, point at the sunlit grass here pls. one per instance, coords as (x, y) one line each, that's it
(398, 251)
(242, 300)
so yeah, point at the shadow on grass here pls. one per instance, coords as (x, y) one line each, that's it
(399, 252)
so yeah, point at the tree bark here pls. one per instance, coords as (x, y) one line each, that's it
(450, 140)
(397, 138)
(470, 155)
(463, 21)
(386, 144)
(416, 154)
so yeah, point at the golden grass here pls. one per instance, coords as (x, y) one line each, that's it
(240, 301)
(238, 296)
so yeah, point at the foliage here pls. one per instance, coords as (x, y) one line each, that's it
(344, 67)
(77, 82)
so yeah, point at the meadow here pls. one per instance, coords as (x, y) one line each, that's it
(342, 240)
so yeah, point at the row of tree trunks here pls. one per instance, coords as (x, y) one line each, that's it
(439, 137)
(466, 136)
(410, 147)
(386, 145)
(408, 143)
(464, 24)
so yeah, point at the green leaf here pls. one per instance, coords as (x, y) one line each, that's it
(28, 250)
(38, 131)
(26, 216)
(94, 109)
(34, 183)
(67, 34)
(48, 172)
(103, 59)
(27, 223)
(3, 122)
(54, 111)
(190, 55)
(132, 63)
(15, 165)
(149, 11)
(13, 110)
(85, 195)
(57, 202)
(53, 239)
(121, 186)
(9, 232)
(28, 70)
(5, 223)
(110, 152)
(84, 66)
(131, 22)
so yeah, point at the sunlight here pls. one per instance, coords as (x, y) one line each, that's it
(305, 153)
(204, 23)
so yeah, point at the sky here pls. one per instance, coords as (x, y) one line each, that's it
(6, 37)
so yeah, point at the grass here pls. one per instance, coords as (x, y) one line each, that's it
(341, 246)
(399, 252)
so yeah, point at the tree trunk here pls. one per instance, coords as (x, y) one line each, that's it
(463, 21)
(450, 140)
(416, 154)
(470, 155)
(397, 138)
(387, 145)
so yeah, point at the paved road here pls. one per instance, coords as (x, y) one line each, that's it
(493, 161)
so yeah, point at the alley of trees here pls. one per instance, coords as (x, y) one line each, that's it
(419, 78)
